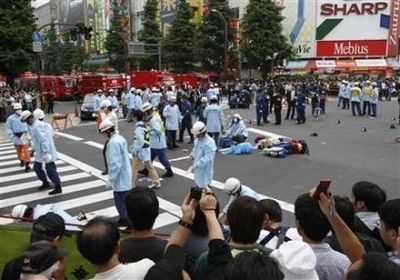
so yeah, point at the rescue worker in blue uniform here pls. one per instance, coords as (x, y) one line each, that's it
(120, 174)
(301, 107)
(235, 189)
(262, 106)
(237, 131)
(173, 118)
(186, 123)
(200, 110)
(130, 104)
(355, 98)
(155, 97)
(346, 97)
(141, 152)
(215, 119)
(45, 152)
(202, 155)
(158, 142)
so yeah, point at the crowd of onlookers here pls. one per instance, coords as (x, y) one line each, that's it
(335, 237)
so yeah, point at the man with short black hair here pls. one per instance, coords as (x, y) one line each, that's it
(313, 226)
(366, 198)
(49, 227)
(389, 214)
(142, 208)
(99, 244)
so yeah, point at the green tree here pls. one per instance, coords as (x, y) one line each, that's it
(51, 50)
(262, 42)
(115, 42)
(17, 23)
(150, 34)
(178, 45)
(211, 36)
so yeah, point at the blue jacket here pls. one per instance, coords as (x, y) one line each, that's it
(237, 129)
(199, 113)
(114, 102)
(261, 100)
(141, 145)
(130, 100)
(301, 99)
(172, 117)
(119, 167)
(42, 141)
(186, 111)
(157, 132)
(215, 118)
(97, 102)
(155, 98)
(14, 125)
(203, 154)
(137, 102)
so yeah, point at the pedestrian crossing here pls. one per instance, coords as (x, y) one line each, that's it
(84, 189)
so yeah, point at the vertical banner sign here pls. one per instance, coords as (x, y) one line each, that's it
(168, 10)
(95, 14)
(122, 8)
(394, 29)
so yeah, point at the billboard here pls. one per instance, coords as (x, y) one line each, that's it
(394, 30)
(96, 19)
(299, 25)
(70, 12)
(352, 28)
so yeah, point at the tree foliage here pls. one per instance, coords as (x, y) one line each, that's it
(115, 42)
(178, 45)
(51, 50)
(150, 34)
(17, 23)
(262, 35)
(211, 36)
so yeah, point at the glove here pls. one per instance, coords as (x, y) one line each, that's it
(191, 169)
(46, 158)
(108, 184)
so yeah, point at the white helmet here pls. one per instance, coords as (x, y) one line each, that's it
(146, 107)
(198, 128)
(25, 115)
(38, 114)
(172, 98)
(138, 91)
(237, 116)
(19, 211)
(111, 90)
(105, 125)
(132, 89)
(154, 89)
(231, 185)
(17, 106)
(213, 97)
(356, 83)
(99, 91)
(105, 103)
(367, 81)
(374, 83)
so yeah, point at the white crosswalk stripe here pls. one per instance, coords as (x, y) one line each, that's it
(83, 189)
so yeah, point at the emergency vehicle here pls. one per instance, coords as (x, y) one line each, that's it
(152, 79)
(89, 83)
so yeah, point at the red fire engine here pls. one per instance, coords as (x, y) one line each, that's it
(89, 83)
(152, 79)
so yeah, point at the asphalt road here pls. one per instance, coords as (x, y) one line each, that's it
(341, 152)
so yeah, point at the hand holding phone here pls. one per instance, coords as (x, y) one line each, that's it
(195, 193)
(322, 188)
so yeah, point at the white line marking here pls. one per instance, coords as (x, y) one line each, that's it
(33, 184)
(42, 195)
(8, 162)
(69, 136)
(8, 157)
(94, 144)
(219, 185)
(83, 200)
(165, 219)
(7, 152)
(7, 148)
(265, 133)
(33, 174)
(8, 144)
(3, 171)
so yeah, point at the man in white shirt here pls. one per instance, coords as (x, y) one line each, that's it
(99, 244)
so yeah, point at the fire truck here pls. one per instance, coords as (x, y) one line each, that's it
(89, 83)
(152, 79)
(64, 87)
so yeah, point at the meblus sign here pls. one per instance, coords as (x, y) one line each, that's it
(359, 48)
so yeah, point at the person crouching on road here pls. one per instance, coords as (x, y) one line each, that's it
(45, 152)
(203, 155)
(141, 152)
(234, 189)
(15, 129)
(237, 131)
(108, 113)
(120, 174)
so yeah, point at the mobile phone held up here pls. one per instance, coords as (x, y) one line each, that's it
(195, 193)
(322, 188)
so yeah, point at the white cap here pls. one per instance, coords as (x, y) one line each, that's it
(25, 115)
(231, 185)
(146, 107)
(38, 114)
(17, 106)
(19, 211)
(105, 125)
(132, 89)
(138, 91)
(99, 90)
(296, 260)
(198, 128)
(237, 116)
(105, 103)
(204, 99)
(111, 90)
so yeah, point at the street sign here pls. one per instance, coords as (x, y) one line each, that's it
(37, 47)
(36, 37)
